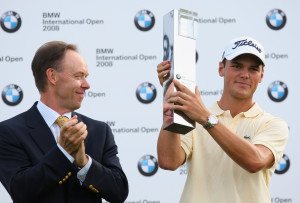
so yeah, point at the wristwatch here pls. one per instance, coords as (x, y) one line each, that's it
(212, 121)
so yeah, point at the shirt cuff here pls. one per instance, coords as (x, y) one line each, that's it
(71, 159)
(81, 174)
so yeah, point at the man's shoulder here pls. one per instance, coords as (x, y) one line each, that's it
(268, 121)
(88, 120)
(94, 126)
(267, 115)
(20, 118)
(15, 119)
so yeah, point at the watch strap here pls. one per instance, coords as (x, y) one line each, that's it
(208, 125)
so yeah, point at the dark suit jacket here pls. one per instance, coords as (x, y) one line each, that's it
(32, 166)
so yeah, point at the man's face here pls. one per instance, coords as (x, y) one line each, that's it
(71, 81)
(241, 76)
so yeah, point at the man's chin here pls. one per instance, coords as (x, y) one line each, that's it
(76, 106)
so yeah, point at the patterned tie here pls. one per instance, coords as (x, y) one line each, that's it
(61, 121)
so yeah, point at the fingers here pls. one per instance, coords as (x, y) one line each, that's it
(163, 66)
(178, 98)
(163, 70)
(177, 107)
(197, 91)
(72, 134)
(198, 95)
(183, 96)
(72, 121)
(180, 87)
(82, 134)
(163, 75)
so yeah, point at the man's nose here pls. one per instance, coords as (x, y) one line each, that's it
(85, 84)
(245, 73)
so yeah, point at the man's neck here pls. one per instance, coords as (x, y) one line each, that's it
(49, 101)
(234, 105)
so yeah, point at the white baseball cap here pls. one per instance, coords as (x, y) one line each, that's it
(243, 45)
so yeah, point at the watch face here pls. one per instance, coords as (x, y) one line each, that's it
(213, 119)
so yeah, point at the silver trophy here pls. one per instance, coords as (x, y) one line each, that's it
(179, 43)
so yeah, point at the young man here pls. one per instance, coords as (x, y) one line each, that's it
(235, 148)
(44, 158)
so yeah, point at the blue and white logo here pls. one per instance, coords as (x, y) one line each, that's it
(283, 165)
(146, 92)
(276, 19)
(166, 45)
(11, 21)
(12, 95)
(148, 165)
(277, 91)
(144, 20)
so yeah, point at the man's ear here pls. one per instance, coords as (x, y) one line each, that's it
(262, 74)
(51, 75)
(221, 69)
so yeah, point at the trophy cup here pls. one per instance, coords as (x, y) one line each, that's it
(179, 43)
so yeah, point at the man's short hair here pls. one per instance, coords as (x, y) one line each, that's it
(49, 55)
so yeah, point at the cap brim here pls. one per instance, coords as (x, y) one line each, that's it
(234, 55)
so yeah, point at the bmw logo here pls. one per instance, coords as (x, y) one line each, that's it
(276, 19)
(283, 165)
(146, 92)
(144, 20)
(166, 45)
(277, 91)
(10, 21)
(12, 95)
(148, 165)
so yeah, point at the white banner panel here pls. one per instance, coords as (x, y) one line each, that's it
(122, 42)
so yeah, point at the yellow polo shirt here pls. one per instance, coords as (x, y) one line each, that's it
(213, 177)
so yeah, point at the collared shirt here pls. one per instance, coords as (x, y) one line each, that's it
(50, 116)
(214, 177)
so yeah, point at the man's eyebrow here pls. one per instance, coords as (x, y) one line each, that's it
(238, 63)
(81, 73)
(235, 62)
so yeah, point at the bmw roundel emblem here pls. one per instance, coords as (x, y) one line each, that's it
(144, 20)
(146, 92)
(276, 19)
(148, 165)
(12, 95)
(277, 91)
(283, 165)
(11, 21)
(166, 45)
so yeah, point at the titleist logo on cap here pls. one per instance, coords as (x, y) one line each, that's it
(246, 43)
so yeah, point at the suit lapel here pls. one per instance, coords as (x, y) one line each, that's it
(39, 131)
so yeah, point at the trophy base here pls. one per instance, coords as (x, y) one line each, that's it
(178, 128)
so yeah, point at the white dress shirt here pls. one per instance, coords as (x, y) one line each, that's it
(50, 117)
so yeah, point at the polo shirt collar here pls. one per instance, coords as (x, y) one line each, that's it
(253, 111)
(216, 110)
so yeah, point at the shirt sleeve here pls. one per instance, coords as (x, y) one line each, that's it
(83, 171)
(187, 144)
(273, 134)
